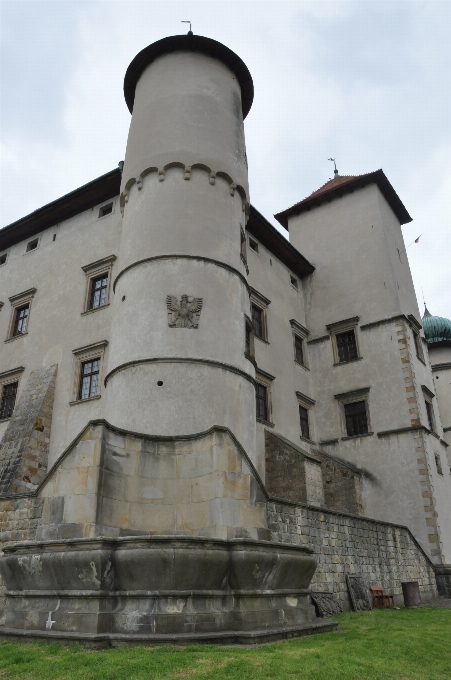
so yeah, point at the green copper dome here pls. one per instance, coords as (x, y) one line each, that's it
(437, 330)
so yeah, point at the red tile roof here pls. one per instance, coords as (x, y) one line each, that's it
(340, 185)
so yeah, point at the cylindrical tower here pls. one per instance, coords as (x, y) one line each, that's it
(177, 362)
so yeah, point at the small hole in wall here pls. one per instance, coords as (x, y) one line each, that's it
(123, 298)
(159, 383)
(54, 237)
(270, 262)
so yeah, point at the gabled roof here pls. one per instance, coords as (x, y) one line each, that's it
(345, 184)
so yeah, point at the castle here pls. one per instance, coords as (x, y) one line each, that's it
(200, 419)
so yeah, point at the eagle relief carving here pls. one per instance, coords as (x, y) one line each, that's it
(183, 311)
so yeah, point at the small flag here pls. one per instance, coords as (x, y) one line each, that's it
(417, 239)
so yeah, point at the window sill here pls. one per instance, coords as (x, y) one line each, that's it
(421, 359)
(265, 422)
(357, 436)
(16, 337)
(342, 363)
(328, 442)
(97, 309)
(301, 365)
(261, 339)
(309, 441)
(83, 401)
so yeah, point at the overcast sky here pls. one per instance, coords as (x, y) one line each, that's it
(367, 82)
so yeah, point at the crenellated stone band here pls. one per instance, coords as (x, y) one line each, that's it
(183, 257)
(180, 360)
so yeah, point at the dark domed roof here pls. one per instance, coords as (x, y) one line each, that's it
(437, 330)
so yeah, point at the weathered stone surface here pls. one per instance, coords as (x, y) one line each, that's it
(326, 604)
(359, 593)
(25, 444)
(315, 478)
(157, 585)
(443, 576)
(385, 554)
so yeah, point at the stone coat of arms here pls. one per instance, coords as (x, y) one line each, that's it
(183, 311)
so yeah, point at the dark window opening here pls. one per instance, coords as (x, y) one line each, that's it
(21, 320)
(89, 380)
(430, 415)
(253, 245)
(248, 339)
(303, 417)
(243, 245)
(356, 420)
(8, 400)
(418, 345)
(32, 245)
(298, 350)
(438, 464)
(3, 258)
(346, 346)
(106, 210)
(262, 402)
(257, 321)
(294, 281)
(99, 290)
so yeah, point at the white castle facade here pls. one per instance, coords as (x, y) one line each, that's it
(173, 366)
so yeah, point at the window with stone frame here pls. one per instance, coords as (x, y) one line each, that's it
(98, 281)
(428, 397)
(8, 399)
(99, 291)
(20, 314)
(263, 402)
(346, 346)
(356, 418)
(305, 405)
(21, 320)
(259, 304)
(355, 412)
(418, 345)
(438, 464)
(89, 379)
(261, 392)
(300, 334)
(344, 338)
(304, 421)
(88, 372)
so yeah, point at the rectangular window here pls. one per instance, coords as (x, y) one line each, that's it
(262, 401)
(430, 414)
(21, 320)
(32, 245)
(253, 245)
(303, 417)
(9, 393)
(106, 210)
(418, 345)
(346, 346)
(298, 350)
(356, 418)
(89, 379)
(3, 258)
(99, 291)
(294, 281)
(257, 320)
(248, 339)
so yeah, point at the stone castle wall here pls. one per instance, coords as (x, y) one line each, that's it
(385, 554)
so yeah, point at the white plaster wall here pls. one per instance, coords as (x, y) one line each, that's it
(56, 326)
(346, 240)
(442, 382)
(271, 278)
(188, 109)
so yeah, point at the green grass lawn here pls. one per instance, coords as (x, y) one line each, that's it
(405, 643)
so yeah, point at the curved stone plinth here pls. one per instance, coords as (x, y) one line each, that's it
(158, 589)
